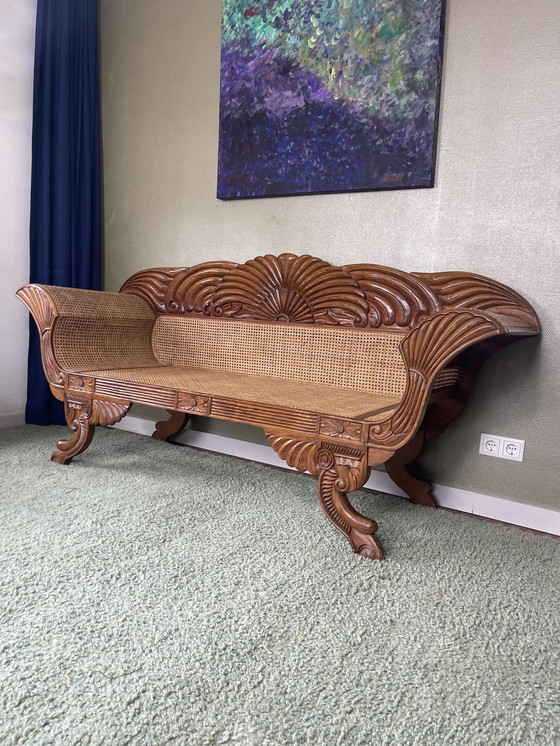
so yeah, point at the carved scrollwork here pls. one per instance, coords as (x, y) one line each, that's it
(429, 346)
(78, 416)
(462, 290)
(193, 291)
(426, 349)
(297, 453)
(308, 290)
(152, 285)
(298, 289)
(106, 413)
(394, 298)
(340, 475)
(82, 414)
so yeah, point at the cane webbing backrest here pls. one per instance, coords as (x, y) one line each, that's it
(362, 360)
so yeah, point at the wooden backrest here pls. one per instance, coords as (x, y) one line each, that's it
(301, 318)
(307, 290)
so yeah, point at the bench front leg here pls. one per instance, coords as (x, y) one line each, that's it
(82, 414)
(339, 474)
(341, 469)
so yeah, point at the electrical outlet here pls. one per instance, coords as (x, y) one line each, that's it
(512, 449)
(490, 445)
(499, 446)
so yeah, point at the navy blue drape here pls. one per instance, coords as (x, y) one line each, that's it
(65, 224)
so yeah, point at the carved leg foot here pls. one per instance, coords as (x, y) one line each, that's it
(418, 490)
(339, 475)
(167, 429)
(78, 417)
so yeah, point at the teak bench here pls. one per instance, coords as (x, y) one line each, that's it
(343, 367)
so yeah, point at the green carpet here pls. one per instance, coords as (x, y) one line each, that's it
(153, 594)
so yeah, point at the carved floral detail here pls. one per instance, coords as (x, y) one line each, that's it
(193, 402)
(80, 383)
(344, 429)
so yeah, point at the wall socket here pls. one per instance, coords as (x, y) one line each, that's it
(500, 446)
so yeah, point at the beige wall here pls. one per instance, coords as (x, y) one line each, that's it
(17, 45)
(494, 210)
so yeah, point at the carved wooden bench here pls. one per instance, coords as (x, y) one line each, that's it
(343, 367)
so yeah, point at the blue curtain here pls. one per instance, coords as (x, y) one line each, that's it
(65, 226)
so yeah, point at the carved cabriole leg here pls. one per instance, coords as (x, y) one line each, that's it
(82, 414)
(418, 490)
(78, 417)
(167, 429)
(340, 469)
(340, 473)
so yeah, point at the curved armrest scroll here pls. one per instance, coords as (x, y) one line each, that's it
(85, 330)
(44, 311)
(426, 349)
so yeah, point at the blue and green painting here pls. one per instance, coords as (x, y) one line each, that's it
(328, 95)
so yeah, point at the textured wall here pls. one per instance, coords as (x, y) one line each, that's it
(494, 210)
(17, 42)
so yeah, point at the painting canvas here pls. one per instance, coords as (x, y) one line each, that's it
(328, 95)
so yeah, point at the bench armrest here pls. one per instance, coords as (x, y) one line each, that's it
(426, 350)
(87, 330)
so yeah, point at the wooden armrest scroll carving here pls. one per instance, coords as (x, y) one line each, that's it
(426, 350)
(45, 313)
(117, 327)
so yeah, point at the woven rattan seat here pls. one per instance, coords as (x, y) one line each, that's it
(329, 400)
(344, 368)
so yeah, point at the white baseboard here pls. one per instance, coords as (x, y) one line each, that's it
(496, 508)
(12, 420)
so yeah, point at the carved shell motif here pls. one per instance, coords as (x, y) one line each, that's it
(300, 289)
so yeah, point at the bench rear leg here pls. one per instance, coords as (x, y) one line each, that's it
(167, 429)
(339, 475)
(418, 490)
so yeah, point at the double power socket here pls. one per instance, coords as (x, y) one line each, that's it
(501, 447)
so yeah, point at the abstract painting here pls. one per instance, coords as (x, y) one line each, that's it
(328, 95)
